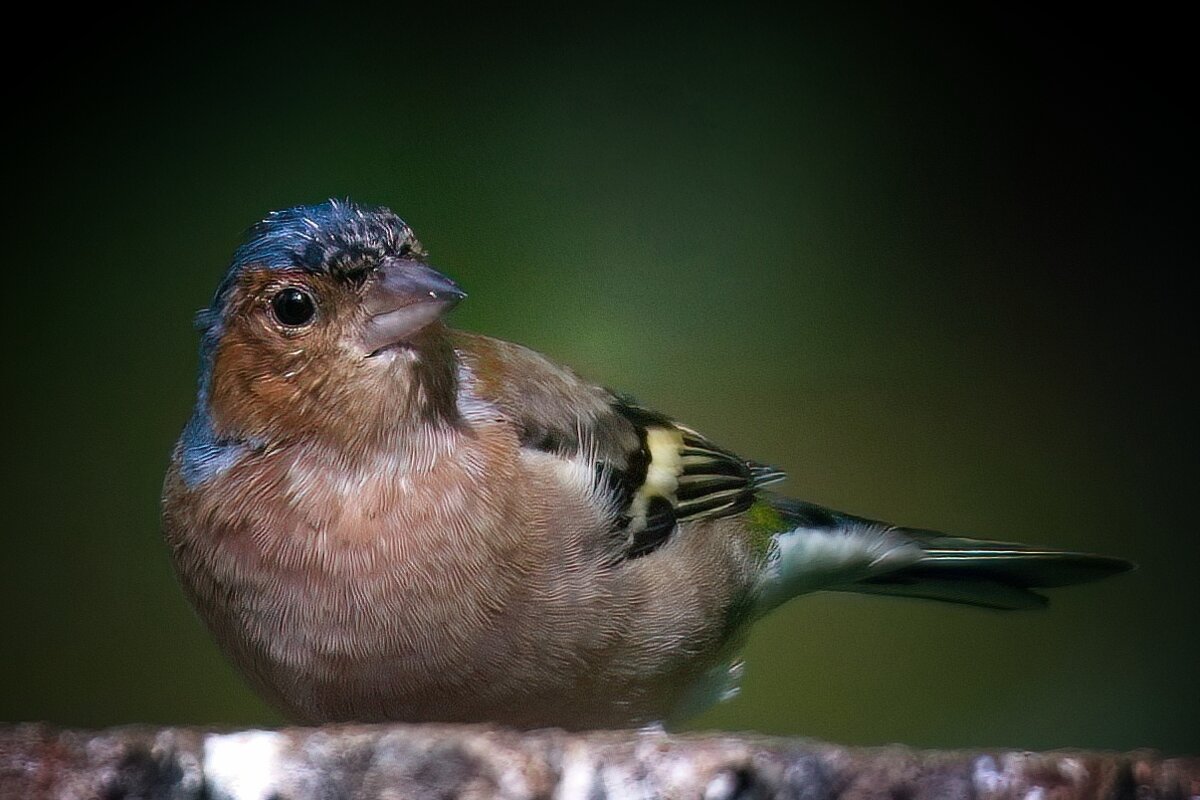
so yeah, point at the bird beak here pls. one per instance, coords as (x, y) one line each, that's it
(403, 297)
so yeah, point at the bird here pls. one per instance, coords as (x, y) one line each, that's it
(383, 518)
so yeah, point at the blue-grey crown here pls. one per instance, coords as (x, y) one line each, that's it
(327, 238)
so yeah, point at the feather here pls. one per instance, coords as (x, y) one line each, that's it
(656, 472)
(830, 550)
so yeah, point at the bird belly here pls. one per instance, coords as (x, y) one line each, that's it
(352, 605)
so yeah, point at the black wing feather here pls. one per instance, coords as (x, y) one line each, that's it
(554, 410)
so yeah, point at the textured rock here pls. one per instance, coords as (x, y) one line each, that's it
(404, 761)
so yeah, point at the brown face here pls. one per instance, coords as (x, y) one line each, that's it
(286, 352)
(305, 354)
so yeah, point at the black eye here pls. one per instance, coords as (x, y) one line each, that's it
(293, 307)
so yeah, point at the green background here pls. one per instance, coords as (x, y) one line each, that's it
(932, 266)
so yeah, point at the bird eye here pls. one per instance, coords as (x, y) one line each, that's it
(293, 307)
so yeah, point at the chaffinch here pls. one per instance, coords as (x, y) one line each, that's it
(383, 518)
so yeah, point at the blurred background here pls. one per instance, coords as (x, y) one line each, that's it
(933, 266)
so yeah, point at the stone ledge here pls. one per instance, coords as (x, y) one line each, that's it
(443, 761)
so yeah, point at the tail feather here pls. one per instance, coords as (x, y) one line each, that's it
(1018, 563)
(979, 593)
(829, 550)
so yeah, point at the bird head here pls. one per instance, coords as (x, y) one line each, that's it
(327, 315)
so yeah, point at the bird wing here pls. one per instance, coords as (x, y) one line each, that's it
(655, 471)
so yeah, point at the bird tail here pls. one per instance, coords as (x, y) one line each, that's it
(819, 549)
